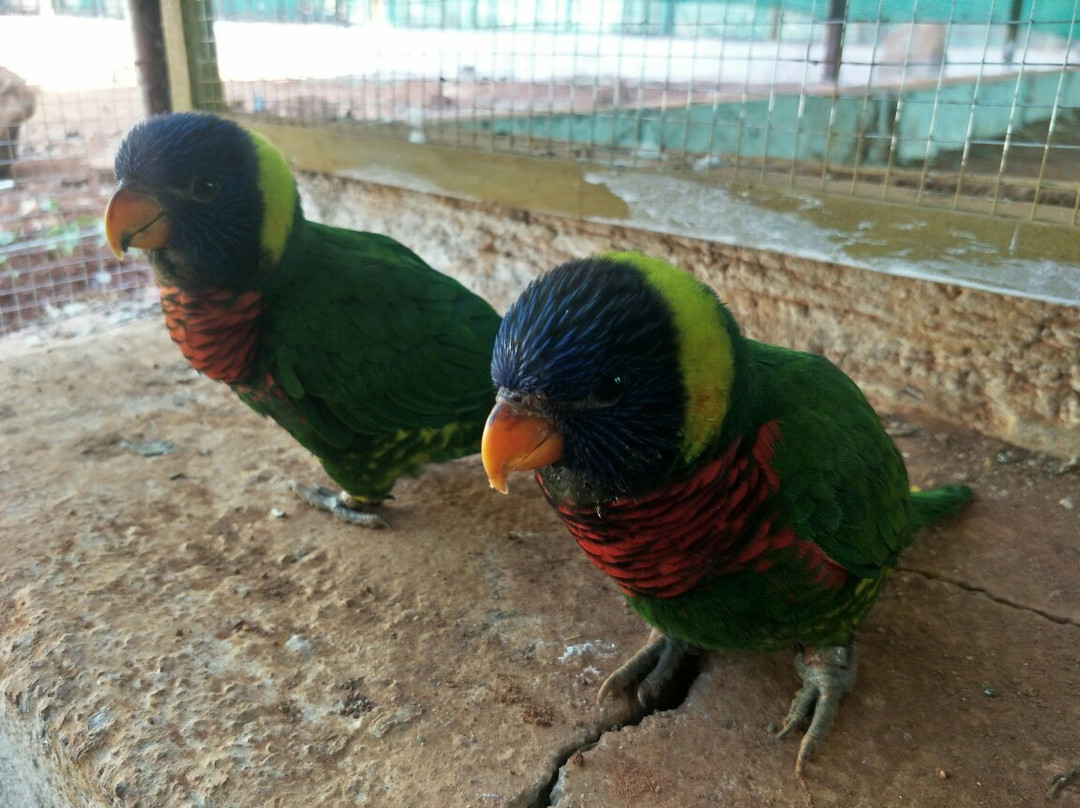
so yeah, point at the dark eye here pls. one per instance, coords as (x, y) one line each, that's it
(608, 390)
(205, 189)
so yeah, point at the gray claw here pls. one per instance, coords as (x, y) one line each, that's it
(827, 674)
(655, 664)
(1060, 781)
(341, 505)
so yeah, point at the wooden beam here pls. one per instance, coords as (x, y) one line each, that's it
(150, 54)
(172, 29)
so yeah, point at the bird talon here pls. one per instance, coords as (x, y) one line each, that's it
(643, 660)
(317, 496)
(1061, 781)
(360, 518)
(342, 506)
(801, 705)
(655, 665)
(828, 674)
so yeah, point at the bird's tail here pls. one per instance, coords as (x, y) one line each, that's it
(929, 506)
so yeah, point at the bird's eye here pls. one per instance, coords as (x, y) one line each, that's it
(608, 390)
(205, 189)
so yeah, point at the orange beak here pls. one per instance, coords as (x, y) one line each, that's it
(517, 440)
(135, 220)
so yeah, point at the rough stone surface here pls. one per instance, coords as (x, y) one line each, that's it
(179, 630)
(168, 639)
(1009, 367)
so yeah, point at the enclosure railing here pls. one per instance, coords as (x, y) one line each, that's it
(63, 109)
(934, 105)
(969, 106)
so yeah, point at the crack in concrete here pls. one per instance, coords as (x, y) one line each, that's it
(676, 693)
(1023, 607)
(545, 790)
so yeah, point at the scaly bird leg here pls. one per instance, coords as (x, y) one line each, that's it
(655, 664)
(1060, 781)
(827, 674)
(344, 507)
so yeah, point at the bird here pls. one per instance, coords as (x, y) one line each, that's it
(742, 495)
(372, 360)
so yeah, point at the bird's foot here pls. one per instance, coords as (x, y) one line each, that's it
(655, 665)
(827, 674)
(341, 505)
(1060, 781)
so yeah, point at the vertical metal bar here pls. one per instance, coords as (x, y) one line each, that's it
(176, 53)
(1012, 28)
(718, 88)
(628, 29)
(150, 54)
(966, 154)
(534, 48)
(595, 116)
(927, 155)
(772, 102)
(834, 38)
(744, 97)
(1054, 112)
(206, 88)
(894, 141)
(665, 103)
(1014, 108)
(867, 108)
(668, 26)
(800, 117)
(691, 83)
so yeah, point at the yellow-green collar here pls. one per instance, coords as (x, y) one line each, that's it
(279, 193)
(706, 356)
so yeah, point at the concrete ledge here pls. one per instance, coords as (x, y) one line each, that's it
(179, 631)
(170, 639)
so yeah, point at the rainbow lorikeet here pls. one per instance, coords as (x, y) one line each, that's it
(370, 358)
(742, 495)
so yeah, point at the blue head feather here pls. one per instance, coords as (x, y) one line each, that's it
(215, 242)
(565, 341)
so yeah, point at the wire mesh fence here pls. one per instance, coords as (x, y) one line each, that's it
(60, 122)
(971, 106)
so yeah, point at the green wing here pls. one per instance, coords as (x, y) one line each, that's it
(843, 482)
(379, 356)
(842, 486)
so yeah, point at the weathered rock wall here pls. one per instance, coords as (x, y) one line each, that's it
(1007, 366)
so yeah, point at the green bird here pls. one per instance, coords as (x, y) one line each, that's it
(742, 495)
(371, 359)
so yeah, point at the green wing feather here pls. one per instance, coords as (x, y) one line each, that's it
(385, 362)
(843, 481)
(842, 486)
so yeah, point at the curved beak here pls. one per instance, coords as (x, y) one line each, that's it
(135, 220)
(516, 439)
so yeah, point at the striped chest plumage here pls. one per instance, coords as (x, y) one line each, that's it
(664, 543)
(216, 329)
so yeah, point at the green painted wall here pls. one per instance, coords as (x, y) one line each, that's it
(836, 129)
